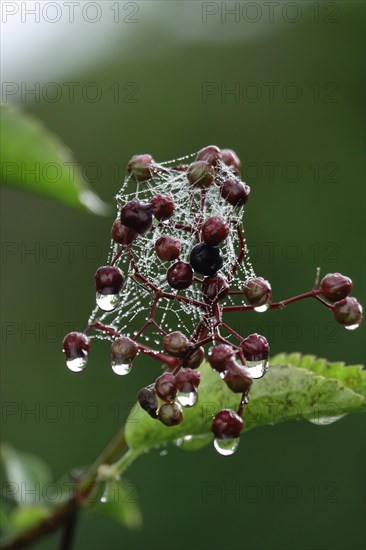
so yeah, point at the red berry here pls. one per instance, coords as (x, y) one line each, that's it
(167, 248)
(148, 401)
(210, 154)
(215, 288)
(140, 166)
(76, 345)
(227, 424)
(180, 275)
(137, 215)
(214, 231)
(165, 386)
(187, 380)
(195, 359)
(175, 343)
(122, 234)
(109, 280)
(220, 356)
(335, 286)
(255, 347)
(257, 292)
(200, 174)
(231, 159)
(162, 207)
(170, 414)
(238, 378)
(124, 349)
(235, 192)
(348, 312)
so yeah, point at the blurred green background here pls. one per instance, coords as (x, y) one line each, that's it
(309, 212)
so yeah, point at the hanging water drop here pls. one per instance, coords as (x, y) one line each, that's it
(107, 302)
(257, 369)
(187, 399)
(121, 368)
(261, 309)
(226, 447)
(77, 364)
(352, 327)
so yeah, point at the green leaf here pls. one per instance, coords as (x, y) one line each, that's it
(286, 393)
(120, 503)
(35, 160)
(26, 475)
(24, 518)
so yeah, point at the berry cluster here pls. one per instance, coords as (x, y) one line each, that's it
(188, 229)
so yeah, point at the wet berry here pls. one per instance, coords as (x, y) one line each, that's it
(210, 154)
(140, 166)
(124, 349)
(170, 414)
(122, 234)
(162, 207)
(257, 292)
(335, 286)
(175, 343)
(200, 174)
(165, 386)
(180, 275)
(137, 215)
(215, 230)
(148, 401)
(231, 159)
(109, 280)
(255, 347)
(220, 356)
(167, 248)
(76, 345)
(187, 380)
(195, 359)
(206, 259)
(235, 192)
(227, 424)
(215, 288)
(348, 312)
(238, 378)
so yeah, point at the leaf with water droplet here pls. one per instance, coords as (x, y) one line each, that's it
(34, 159)
(286, 393)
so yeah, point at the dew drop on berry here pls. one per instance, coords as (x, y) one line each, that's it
(261, 309)
(107, 302)
(187, 399)
(257, 369)
(352, 327)
(226, 447)
(121, 367)
(77, 364)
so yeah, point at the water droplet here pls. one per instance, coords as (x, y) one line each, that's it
(352, 327)
(262, 309)
(187, 399)
(77, 364)
(257, 369)
(325, 420)
(226, 447)
(164, 452)
(193, 442)
(222, 374)
(121, 368)
(107, 302)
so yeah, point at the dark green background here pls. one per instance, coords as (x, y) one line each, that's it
(170, 119)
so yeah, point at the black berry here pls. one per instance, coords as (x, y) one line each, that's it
(137, 215)
(206, 259)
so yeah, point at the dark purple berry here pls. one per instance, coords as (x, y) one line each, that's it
(175, 343)
(187, 380)
(76, 345)
(148, 401)
(140, 166)
(348, 312)
(231, 159)
(195, 359)
(122, 234)
(220, 356)
(167, 248)
(235, 192)
(124, 349)
(238, 378)
(170, 414)
(255, 347)
(215, 230)
(335, 286)
(165, 386)
(162, 207)
(257, 292)
(109, 280)
(206, 259)
(180, 275)
(200, 174)
(215, 288)
(227, 424)
(137, 215)
(210, 154)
